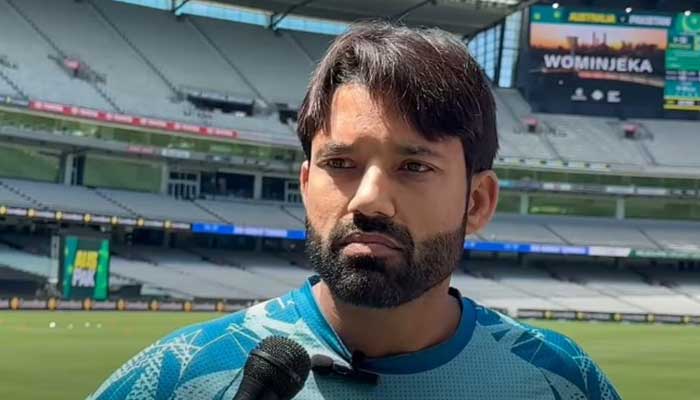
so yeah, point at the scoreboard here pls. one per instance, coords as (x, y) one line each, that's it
(612, 62)
(682, 90)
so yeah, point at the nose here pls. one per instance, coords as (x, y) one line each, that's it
(373, 195)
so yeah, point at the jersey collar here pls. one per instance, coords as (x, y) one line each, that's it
(411, 363)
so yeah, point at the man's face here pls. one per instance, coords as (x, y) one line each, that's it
(385, 207)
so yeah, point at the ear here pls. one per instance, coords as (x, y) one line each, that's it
(304, 180)
(483, 200)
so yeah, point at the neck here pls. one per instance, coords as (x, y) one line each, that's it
(424, 322)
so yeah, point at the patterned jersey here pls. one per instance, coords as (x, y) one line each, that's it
(490, 356)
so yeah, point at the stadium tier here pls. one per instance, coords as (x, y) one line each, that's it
(128, 48)
(575, 231)
(203, 273)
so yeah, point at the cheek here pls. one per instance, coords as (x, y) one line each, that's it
(325, 203)
(436, 211)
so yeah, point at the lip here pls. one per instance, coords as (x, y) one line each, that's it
(371, 238)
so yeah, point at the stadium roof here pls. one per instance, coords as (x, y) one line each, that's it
(458, 16)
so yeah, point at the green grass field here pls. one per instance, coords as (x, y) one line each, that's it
(71, 359)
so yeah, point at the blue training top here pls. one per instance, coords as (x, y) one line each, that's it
(490, 356)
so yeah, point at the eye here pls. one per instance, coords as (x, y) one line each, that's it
(416, 167)
(338, 163)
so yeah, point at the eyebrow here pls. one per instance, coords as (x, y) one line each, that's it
(417, 150)
(337, 149)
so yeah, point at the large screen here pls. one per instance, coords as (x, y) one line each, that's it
(85, 268)
(612, 62)
(682, 90)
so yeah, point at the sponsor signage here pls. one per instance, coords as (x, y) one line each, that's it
(163, 125)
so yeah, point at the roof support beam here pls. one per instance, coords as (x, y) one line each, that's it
(399, 16)
(175, 8)
(276, 18)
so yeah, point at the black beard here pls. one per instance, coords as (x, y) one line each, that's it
(372, 281)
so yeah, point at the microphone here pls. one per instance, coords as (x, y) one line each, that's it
(324, 365)
(275, 370)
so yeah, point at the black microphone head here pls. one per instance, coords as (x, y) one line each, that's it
(278, 364)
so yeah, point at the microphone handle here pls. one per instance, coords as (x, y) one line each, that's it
(249, 390)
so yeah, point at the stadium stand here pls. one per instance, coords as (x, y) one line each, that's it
(676, 236)
(674, 142)
(514, 140)
(12, 197)
(577, 138)
(212, 273)
(154, 33)
(601, 233)
(270, 79)
(58, 197)
(270, 216)
(5, 87)
(580, 231)
(77, 29)
(143, 76)
(511, 228)
(245, 283)
(153, 205)
(35, 264)
(23, 43)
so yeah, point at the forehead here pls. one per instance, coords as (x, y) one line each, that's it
(356, 118)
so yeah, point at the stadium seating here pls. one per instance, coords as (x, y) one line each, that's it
(5, 88)
(272, 267)
(30, 51)
(578, 231)
(513, 228)
(12, 197)
(669, 304)
(35, 264)
(59, 197)
(600, 232)
(674, 142)
(272, 80)
(132, 47)
(513, 140)
(158, 206)
(78, 29)
(675, 236)
(251, 214)
(244, 275)
(577, 138)
(175, 48)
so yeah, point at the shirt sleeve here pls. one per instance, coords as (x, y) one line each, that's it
(155, 372)
(571, 371)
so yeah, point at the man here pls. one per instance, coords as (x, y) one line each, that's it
(399, 132)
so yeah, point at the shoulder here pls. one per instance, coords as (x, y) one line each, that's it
(208, 354)
(565, 365)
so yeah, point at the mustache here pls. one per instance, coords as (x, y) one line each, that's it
(363, 224)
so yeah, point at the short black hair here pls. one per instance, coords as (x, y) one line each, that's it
(427, 75)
